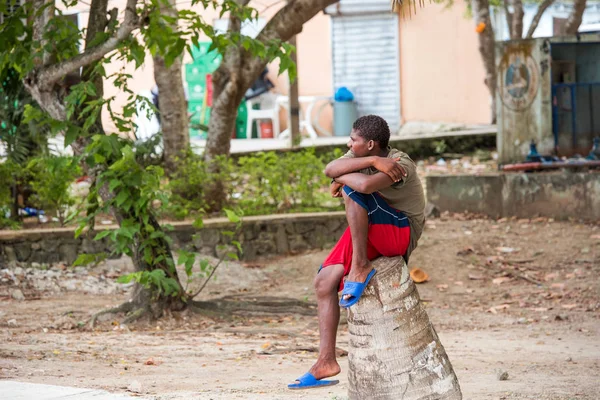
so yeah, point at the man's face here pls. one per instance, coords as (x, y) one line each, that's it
(359, 146)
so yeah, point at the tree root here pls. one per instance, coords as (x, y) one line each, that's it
(123, 308)
(252, 306)
(135, 315)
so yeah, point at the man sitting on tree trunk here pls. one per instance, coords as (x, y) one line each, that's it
(385, 207)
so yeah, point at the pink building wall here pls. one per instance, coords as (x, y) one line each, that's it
(441, 70)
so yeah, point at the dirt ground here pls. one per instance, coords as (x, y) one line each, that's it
(521, 297)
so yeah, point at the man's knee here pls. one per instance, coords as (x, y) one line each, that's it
(328, 280)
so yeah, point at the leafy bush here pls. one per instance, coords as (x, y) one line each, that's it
(8, 175)
(261, 183)
(187, 185)
(272, 182)
(51, 179)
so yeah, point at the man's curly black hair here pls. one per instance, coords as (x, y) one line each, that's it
(373, 127)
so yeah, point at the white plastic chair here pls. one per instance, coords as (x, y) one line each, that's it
(269, 110)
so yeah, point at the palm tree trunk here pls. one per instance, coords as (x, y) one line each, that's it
(394, 350)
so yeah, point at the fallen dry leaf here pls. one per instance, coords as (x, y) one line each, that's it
(506, 249)
(476, 277)
(550, 276)
(465, 251)
(501, 280)
(569, 306)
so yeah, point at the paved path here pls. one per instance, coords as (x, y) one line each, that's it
(11, 390)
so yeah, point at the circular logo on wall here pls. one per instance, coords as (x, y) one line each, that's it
(520, 81)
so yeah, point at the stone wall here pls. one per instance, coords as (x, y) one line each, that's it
(558, 195)
(260, 236)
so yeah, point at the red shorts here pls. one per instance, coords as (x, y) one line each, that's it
(389, 232)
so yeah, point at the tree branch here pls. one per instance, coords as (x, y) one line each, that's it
(517, 19)
(49, 75)
(289, 20)
(43, 13)
(509, 17)
(537, 17)
(575, 18)
(284, 25)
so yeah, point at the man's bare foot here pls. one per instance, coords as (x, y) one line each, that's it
(325, 369)
(358, 274)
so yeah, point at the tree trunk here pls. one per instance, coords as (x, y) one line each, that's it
(236, 74)
(294, 104)
(574, 20)
(227, 96)
(394, 351)
(172, 104)
(481, 14)
(517, 20)
(46, 93)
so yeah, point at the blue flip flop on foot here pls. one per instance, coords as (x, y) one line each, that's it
(308, 381)
(355, 290)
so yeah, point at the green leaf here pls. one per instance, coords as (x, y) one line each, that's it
(70, 135)
(204, 264)
(238, 245)
(232, 216)
(198, 223)
(84, 259)
(102, 234)
(128, 278)
(114, 183)
(121, 198)
(99, 158)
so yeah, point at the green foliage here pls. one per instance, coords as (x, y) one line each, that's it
(129, 181)
(21, 140)
(149, 151)
(187, 184)
(261, 183)
(439, 146)
(8, 173)
(51, 178)
(272, 182)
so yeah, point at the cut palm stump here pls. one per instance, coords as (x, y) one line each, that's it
(394, 351)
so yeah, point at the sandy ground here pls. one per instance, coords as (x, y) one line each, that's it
(521, 297)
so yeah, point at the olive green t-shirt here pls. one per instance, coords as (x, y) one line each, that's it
(406, 195)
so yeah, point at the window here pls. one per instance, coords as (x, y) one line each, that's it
(11, 7)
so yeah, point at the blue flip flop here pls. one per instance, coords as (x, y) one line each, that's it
(308, 381)
(355, 290)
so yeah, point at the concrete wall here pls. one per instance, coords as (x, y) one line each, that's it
(261, 237)
(558, 195)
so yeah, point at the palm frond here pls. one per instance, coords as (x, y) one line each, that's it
(406, 6)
